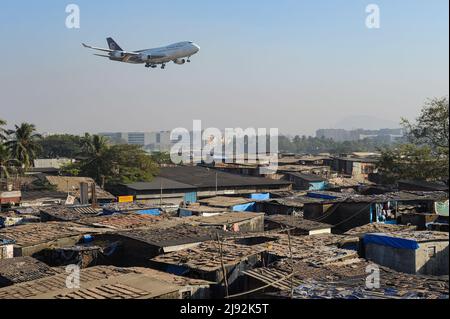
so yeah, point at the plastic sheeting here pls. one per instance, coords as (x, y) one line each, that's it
(381, 239)
(261, 196)
(249, 207)
(184, 213)
(153, 212)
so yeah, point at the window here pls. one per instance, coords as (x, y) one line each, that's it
(431, 251)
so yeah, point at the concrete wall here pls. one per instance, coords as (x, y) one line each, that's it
(403, 260)
(431, 258)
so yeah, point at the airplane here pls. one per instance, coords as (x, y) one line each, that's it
(179, 53)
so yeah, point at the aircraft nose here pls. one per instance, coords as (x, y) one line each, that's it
(196, 47)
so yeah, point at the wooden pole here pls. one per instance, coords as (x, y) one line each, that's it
(291, 262)
(224, 271)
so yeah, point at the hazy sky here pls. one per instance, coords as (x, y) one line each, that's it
(295, 65)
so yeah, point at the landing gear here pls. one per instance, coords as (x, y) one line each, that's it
(163, 66)
(153, 66)
(188, 60)
(147, 65)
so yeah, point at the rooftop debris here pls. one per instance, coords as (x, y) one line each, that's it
(205, 258)
(71, 184)
(67, 213)
(225, 202)
(171, 237)
(107, 282)
(23, 269)
(379, 228)
(299, 225)
(121, 221)
(42, 233)
(420, 236)
(348, 281)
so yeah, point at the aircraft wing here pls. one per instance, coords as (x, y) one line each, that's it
(95, 48)
(124, 53)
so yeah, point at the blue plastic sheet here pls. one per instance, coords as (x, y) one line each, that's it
(88, 238)
(319, 195)
(249, 207)
(381, 239)
(154, 212)
(261, 196)
(185, 213)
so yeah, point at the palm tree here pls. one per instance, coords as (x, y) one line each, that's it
(6, 162)
(2, 130)
(94, 147)
(24, 144)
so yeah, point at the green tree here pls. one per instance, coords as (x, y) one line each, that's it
(2, 130)
(414, 162)
(24, 144)
(109, 165)
(57, 146)
(128, 164)
(93, 149)
(432, 126)
(426, 156)
(161, 158)
(7, 163)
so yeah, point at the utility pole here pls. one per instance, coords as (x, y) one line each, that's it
(224, 271)
(161, 194)
(216, 184)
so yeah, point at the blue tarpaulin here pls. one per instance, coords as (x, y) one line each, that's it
(381, 239)
(320, 195)
(88, 238)
(177, 270)
(185, 213)
(249, 207)
(154, 212)
(317, 186)
(261, 196)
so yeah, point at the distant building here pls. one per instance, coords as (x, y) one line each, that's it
(341, 135)
(151, 141)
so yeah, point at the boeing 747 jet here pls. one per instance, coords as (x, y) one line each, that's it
(178, 53)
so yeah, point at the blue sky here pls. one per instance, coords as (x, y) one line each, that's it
(296, 65)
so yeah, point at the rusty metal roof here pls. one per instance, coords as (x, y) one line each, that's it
(103, 282)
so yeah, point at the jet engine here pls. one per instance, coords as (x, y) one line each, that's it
(144, 57)
(117, 54)
(179, 61)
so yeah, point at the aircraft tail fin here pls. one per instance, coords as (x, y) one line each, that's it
(113, 45)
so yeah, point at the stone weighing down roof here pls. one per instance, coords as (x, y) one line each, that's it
(348, 280)
(121, 221)
(40, 233)
(420, 236)
(296, 222)
(104, 282)
(405, 196)
(174, 235)
(68, 213)
(23, 269)
(379, 228)
(315, 250)
(221, 219)
(206, 256)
